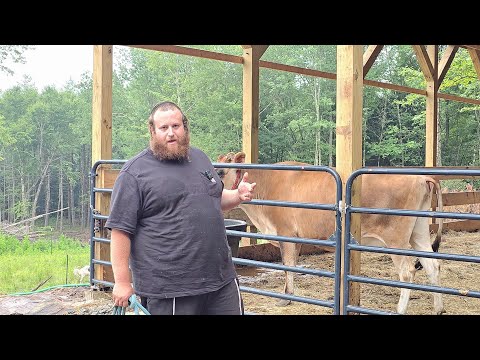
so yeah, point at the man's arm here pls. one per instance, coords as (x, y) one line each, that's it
(120, 254)
(232, 198)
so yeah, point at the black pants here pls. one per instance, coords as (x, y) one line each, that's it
(225, 301)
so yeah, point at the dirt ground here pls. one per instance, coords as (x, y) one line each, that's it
(454, 274)
(58, 301)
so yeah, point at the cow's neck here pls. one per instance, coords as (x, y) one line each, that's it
(256, 212)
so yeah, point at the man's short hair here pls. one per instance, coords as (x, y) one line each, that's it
(164, 106)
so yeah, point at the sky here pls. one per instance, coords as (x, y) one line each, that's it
(50, 65)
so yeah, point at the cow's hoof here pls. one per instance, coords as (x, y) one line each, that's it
(283, 302)
(443, 311)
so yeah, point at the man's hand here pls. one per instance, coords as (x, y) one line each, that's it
(245, 189)
(121, 293)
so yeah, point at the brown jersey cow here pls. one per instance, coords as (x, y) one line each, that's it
(412, 192)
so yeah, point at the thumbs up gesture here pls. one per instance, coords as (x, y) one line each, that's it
(245, 189)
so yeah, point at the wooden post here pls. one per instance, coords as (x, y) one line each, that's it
(102, 143)
(428, 61)
(349, 144)
(251, 98)
(431, 126)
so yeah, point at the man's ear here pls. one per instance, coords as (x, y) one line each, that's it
(239, 157)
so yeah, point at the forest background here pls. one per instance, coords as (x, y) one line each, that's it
(45, 136)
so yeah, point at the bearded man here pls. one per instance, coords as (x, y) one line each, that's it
(166, 218)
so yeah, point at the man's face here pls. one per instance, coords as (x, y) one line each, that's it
(169, 139)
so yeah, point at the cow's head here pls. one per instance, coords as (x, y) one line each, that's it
(231, 177)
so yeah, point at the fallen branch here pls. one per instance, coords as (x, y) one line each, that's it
(43, 282)
(35, 217)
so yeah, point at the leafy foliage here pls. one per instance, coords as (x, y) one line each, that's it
(46, 136)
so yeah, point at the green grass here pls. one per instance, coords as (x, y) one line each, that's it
(25, 264)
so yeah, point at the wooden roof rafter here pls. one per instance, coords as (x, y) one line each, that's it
(370, 56)
(475, 56)
(446, 61)
(474, 47)
(183, 50)
(424, 61)
(443, 65)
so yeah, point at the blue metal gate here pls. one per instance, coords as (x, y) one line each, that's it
(333, 241)
(352, 244)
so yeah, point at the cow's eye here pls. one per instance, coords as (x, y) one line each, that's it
(221, 173)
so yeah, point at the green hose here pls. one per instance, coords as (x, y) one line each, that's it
(48, 288)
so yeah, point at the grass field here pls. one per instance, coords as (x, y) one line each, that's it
(26, 265)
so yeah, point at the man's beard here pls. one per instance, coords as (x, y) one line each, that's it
(162, 152)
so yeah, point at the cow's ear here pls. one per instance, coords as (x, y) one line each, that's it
(221, 158)
(239, 157)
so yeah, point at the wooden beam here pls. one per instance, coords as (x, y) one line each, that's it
(458, 98)
(474, 47)
(383, 85)
(251, 99)
(260, 49)
(475, 55)
(446, 61)
(394, 87)
(424, 61)
(461, 198)
(458, 225)
(349, 146)
(174, 49)
(297, 70)
(431, 125)
(369, 57)
(102, 103)
(102, 143)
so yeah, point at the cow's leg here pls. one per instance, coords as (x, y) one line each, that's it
(420, 240)
(406, 272)
(290, 252)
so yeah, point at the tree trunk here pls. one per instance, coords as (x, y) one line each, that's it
(59, 224)
(71, 203)
(37, 192)
(47, 199)
(316, 99)
(477, 117)
(330, 145)
(400, 135)
(5, 193)
(11, 215)
(439, 137)
(318, 149)
(85, 189)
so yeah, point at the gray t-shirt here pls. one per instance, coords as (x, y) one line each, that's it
(173, 215)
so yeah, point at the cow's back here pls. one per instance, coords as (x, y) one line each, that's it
(293, 186)
(404, 192)
(378, 191)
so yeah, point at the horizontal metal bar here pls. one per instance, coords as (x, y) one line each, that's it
(311, 301)
(411, 252)
(297, 269)
(282, 238)
(101, 240)
(413, 286)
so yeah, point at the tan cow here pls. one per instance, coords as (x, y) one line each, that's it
(412, 192)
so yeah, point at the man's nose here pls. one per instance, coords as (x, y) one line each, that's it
(170, 131)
